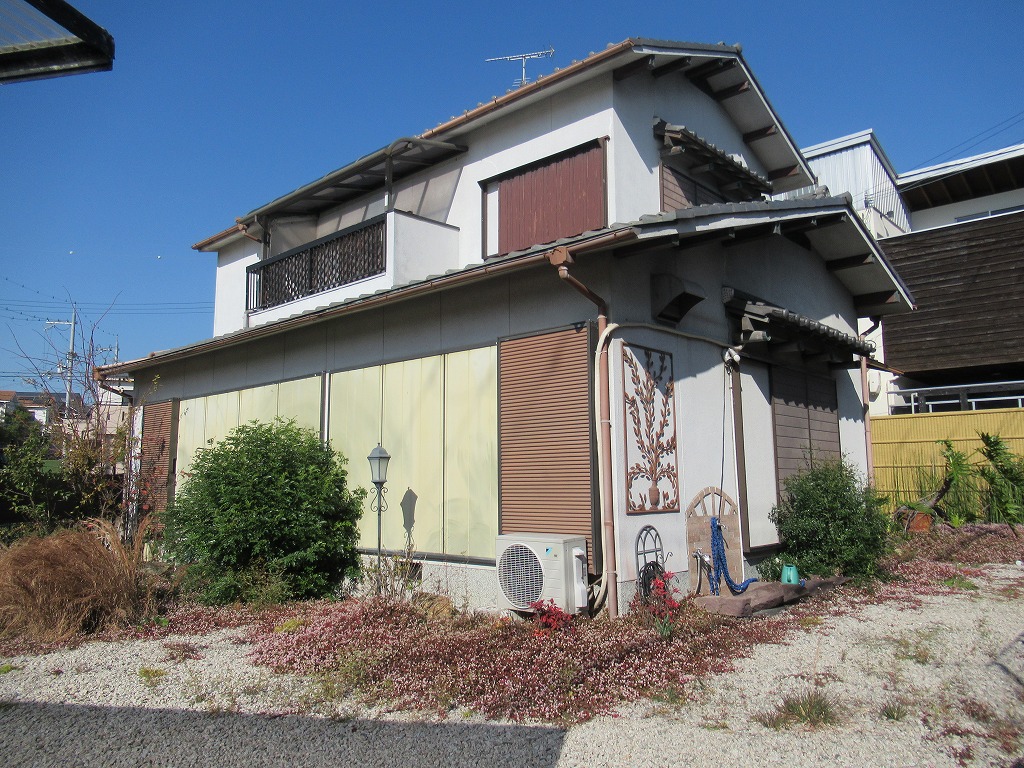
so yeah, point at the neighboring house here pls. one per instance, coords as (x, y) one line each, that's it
(960, 252)
(570, 311)
(45, 407)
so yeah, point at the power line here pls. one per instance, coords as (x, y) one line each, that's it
(1017, 118)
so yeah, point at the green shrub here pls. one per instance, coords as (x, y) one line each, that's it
(831, 522)
(265, 515)
(1004, 476)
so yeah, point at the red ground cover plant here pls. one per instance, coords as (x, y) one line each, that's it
(548, 617)
(390, 655)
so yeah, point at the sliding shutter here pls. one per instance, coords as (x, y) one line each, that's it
(561, 197)
(546, 437)
(805, 411)
(158, 449)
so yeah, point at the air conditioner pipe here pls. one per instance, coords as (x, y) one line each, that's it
(561, 257)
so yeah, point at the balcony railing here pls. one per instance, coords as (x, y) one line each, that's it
(344, 257)
(965, 397)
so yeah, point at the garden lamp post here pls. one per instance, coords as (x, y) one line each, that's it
(379, 459)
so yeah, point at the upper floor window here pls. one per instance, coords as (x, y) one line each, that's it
(696, 172)
(560, 196)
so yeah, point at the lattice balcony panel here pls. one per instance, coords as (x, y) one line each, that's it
(352, 255)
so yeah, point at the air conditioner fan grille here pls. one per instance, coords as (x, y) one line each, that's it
(521, 576)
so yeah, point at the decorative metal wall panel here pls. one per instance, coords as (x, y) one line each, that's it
(652, 481)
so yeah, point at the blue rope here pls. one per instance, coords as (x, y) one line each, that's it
(721, 565)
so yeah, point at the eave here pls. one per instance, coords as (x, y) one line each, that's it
(827, 226)
(50, 38)
(718, 70)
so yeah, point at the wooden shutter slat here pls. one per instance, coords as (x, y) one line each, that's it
(546, 435)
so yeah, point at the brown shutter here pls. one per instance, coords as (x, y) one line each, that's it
(562, 197)
(545, 435)
(679, 191)
(158, 448)
(805, 411)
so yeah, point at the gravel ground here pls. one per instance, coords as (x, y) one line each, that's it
(953, 669)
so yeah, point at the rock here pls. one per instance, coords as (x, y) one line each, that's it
(765, 595)
(725, 606)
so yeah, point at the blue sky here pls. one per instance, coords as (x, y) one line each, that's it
(215, 107)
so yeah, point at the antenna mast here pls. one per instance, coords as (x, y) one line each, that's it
(523, 57)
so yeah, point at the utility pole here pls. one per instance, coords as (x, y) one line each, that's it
(69, 366)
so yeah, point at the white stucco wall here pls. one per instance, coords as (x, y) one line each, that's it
(635, 162)
(229, 295)
(948, 214)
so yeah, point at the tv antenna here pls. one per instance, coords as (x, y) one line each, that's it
(523, 57)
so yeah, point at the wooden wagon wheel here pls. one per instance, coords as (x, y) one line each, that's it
(711, 502)
(708, 503)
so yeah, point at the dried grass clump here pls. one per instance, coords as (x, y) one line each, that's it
(70, 582)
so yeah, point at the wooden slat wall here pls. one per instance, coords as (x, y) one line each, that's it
(545, 435)
(563, 197)
(679, 191)
(968, 282)
(805, 410)
(159, 426)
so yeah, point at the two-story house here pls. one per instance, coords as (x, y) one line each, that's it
(571, 311)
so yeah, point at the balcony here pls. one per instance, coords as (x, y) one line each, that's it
(964, 397)
(345, 257)
(388, 250)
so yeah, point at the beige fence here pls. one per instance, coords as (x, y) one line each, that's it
(902, 444)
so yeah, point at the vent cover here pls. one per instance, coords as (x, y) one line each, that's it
(521, 576)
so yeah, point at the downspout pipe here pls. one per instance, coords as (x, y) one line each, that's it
(561, 257)
(866, 401)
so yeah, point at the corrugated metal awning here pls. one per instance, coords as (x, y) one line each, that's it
(50, 38)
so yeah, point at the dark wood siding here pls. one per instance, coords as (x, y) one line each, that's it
(679, 191)
(546, 435)
(158, 448)
(805, 411)
(561, 197)
(968, 283)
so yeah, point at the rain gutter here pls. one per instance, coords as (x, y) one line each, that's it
(357, 305)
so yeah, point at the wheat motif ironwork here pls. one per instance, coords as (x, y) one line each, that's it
(650, 412)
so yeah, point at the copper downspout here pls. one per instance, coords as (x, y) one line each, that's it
(561, 257)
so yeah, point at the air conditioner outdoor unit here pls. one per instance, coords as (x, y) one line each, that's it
(534, 566)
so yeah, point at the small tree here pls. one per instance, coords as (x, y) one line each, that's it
(80, 465)
(34, 495)
(265, 514)
(831, 522)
